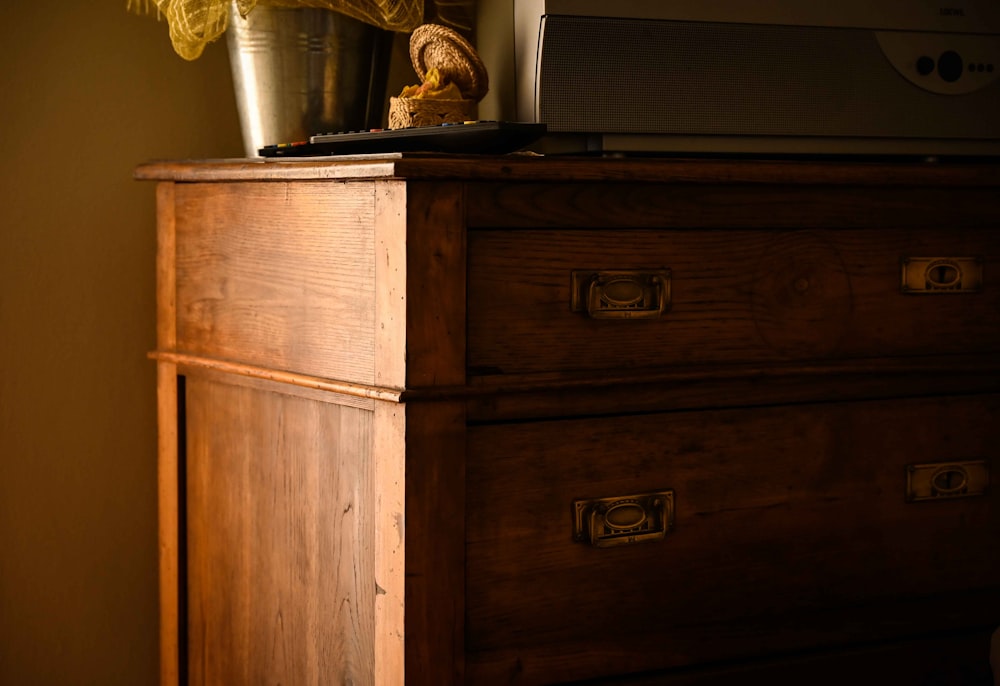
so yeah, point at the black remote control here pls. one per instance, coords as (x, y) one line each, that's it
(475, 137)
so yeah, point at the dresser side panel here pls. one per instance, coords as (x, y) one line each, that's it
(280, 499)
(278, 275)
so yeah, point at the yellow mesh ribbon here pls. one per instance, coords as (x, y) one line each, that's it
(196, 23)
(434, 87)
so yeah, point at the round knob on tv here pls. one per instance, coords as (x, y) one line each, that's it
(950, 66)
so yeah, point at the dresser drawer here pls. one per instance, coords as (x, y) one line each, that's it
(742, 296)
(791, 529)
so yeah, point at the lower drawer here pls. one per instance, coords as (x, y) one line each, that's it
(791, 530)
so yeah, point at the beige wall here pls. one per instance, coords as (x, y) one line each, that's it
(87, 91)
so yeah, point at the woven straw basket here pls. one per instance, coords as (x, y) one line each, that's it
(437, 47)
(407, 112)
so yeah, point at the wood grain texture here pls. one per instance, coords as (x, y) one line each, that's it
(533, 396)
(737, 296)
(435, 435)
(167, 474)
(168, 525)
(951, 660)
(559, 168)
(389, 542)
(435, 284)
(685, 204)
(391, 274)
(280, 519)
(166, 267)
(388, 410)
(791, 528)
(435, 544)
(292, 379)
(278, 275)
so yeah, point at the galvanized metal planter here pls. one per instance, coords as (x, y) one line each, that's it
(303, 71)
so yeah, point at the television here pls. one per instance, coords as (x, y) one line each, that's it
(880, 77)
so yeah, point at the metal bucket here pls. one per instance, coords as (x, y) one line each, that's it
(302, 71)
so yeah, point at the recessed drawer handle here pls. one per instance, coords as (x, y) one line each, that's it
(605, 522)
(621, 294)
(928, 275)
(946, 480)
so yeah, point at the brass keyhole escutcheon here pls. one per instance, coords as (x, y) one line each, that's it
(621, 520)
(621, 293)
(943, 274)
(950, 481)
(947, 480)
(955, 275)
(626, 515)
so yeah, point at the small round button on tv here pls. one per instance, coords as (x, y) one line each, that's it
(950, 66)
(925, 65)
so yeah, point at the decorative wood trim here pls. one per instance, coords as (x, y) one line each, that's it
(521, 167)
(485, 386)
(166, 267)
(389, 456)
(168, 501)
(304, 380)
(390, 283)
(261, 170)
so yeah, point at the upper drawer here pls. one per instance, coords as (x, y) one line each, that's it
(752, 295)
(280, 275)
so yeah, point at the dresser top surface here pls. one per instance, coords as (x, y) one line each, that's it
(518, 167)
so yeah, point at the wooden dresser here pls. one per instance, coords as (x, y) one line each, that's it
(525, 420)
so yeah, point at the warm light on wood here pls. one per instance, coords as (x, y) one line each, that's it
(398, 444)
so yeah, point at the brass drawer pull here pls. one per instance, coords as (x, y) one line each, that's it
(621, 294)
(946, 480)
(606, 522)
(927, 275)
